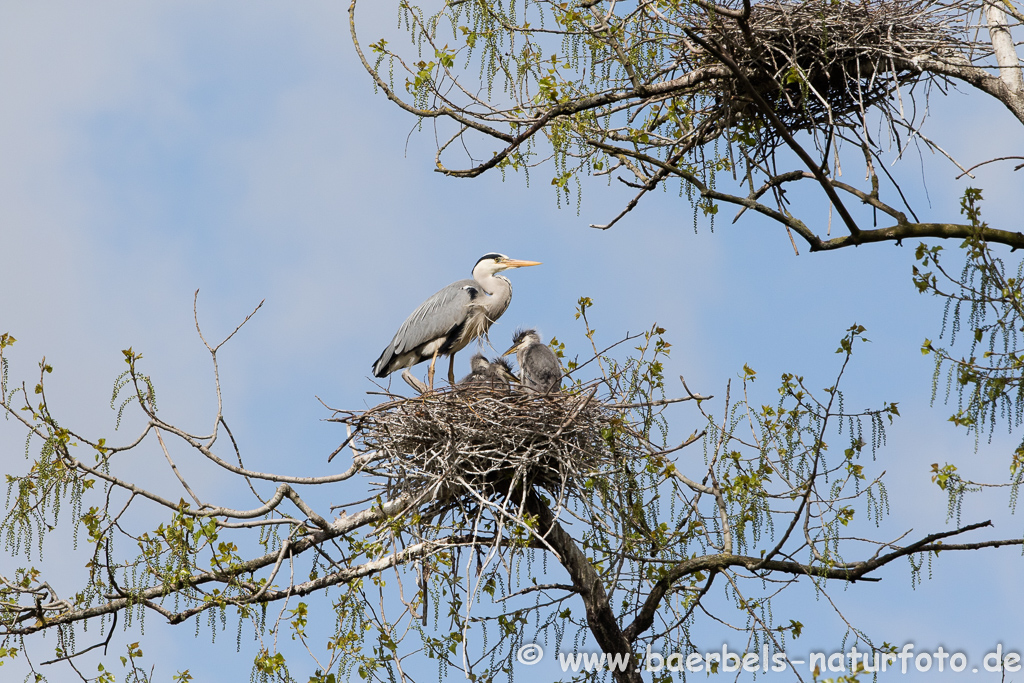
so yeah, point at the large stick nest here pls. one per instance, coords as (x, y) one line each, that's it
(475, 441)
(818, 61)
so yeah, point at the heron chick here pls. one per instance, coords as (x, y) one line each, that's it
(446, 322)
(539, 369)
(497, 373)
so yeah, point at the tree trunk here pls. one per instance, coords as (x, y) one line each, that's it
(1002, 45)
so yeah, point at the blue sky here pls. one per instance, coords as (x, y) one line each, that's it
(151, 149)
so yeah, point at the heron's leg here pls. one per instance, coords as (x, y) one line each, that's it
(419, 386)
(430, 370)
(451, 369)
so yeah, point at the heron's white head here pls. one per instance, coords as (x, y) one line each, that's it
(521, 339)
(492, 263)
(497, 369)
(502, 369)
(479, 364)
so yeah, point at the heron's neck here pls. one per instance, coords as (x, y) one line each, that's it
(493, 284)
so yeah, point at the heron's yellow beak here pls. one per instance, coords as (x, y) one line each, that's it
(516, 263)
(510, 351)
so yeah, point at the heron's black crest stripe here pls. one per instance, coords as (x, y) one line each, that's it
(493, 254)
(522, 333)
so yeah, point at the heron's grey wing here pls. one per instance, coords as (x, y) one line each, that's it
(544, 371)
(434, 319)
(436, 316)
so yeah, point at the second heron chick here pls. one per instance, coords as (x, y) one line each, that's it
(496, 374)
(539, 369)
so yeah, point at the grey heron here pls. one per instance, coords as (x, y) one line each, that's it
(446, 322)
(495, 373)
(539, 369)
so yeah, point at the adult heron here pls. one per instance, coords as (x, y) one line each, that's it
(495, 373)
(446, 322)
(539, 369)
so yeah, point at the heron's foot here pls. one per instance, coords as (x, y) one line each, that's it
(416, 384)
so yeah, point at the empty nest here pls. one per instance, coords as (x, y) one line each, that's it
(819, 61)
(479, 441)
